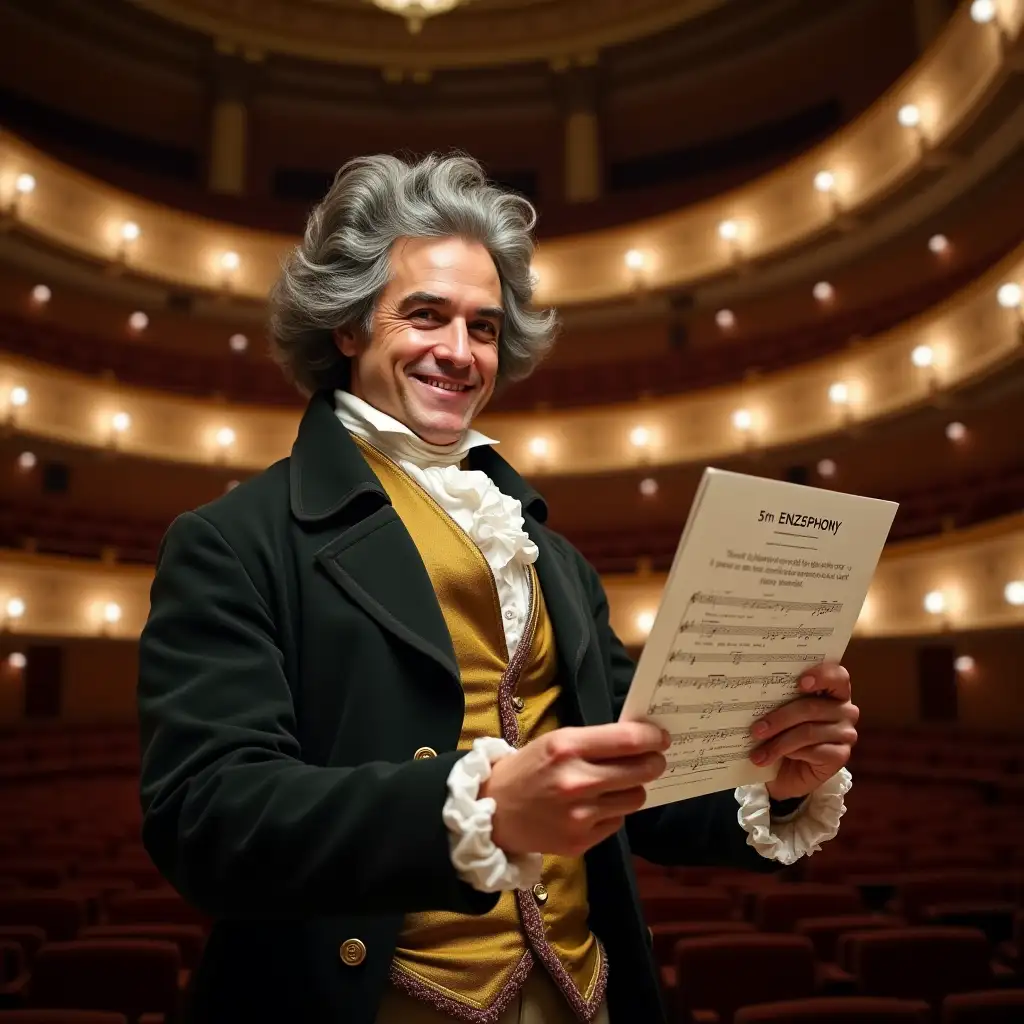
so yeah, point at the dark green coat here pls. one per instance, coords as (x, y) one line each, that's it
(294, 659)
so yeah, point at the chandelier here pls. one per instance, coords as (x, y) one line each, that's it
(416, 12)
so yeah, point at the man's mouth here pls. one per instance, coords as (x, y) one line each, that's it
(441, 384)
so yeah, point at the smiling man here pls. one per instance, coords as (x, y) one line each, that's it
(379, 696)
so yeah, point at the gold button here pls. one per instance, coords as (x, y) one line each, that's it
(540, 893)
(424, 752)
(518, 703)
(353, 952)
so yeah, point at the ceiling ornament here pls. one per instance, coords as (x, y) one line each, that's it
(416, 11)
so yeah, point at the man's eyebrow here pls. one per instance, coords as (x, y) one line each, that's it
(429, 299)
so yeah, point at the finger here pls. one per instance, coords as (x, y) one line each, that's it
(620, 802)
(824, 758)
(607, 742)
(584, 781)
(829, 679)
(803, 709)
(809, 734)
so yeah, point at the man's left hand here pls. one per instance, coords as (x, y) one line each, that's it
(811, 737)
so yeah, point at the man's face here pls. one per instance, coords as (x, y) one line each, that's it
(432, 355)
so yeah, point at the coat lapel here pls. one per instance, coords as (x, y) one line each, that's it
(359, 541)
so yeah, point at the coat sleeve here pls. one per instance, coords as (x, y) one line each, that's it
(701, 831)
(232, 816)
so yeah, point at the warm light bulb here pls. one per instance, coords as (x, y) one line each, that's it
(922, 356)
(935, 602)
(111, 612)
(230, 261)
(538, 446)
(823, 291)
(130, 231)
(742, 419)
(956, 431)
(1014, 592)
(826, 467)
(138, 321)
(938, 244)
(648, 487)
(725, 318)
(238, 342)
(15, 608)
(225, 437)
(635, 259)
(1009, 295)
(983, 11)
(824, 181)
(25, 184)
(17, 660)
(18, 396)
(645, 621)
(909, 115)
(639, 437)
(728, 230)
(120, 421)
(27, 460)
(839, 393)
(41, 294)
(964, 664)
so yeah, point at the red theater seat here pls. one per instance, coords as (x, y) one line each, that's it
(687, 904)
(917, 963)
(153, 907)
(133, 977)
(189, 938)
(719, 974)
(779, 909)
(60, 917)
(60, 1017)
(825, 932)
(843, 1009)
(1005, 1006)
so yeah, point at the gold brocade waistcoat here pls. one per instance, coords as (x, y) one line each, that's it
(472, 966)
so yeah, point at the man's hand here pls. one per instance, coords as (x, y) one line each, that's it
(567, 790)
(811, 736)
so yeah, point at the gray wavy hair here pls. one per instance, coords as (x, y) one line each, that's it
(333, 278)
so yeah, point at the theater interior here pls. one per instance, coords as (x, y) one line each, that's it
(785, 238)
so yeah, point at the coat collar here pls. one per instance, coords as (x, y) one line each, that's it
(327, 471)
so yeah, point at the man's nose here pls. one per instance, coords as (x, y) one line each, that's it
(454, 347)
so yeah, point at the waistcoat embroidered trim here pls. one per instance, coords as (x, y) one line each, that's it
(472, 967)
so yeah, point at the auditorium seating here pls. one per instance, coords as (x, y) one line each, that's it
(71, 533)
(859, 932)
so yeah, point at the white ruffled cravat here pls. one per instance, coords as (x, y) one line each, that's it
(494, 521)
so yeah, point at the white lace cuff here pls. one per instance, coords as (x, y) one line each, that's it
(797, 835)
(468, 819)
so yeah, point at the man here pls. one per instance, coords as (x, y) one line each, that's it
(379, 698)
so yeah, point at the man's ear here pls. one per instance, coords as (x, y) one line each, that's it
(346, 341)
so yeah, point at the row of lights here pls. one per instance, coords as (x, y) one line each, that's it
(137, 322)
(14, 611)
(730, 230)
(824, 291)
(935, 603)
(129, 231)
(120, 422)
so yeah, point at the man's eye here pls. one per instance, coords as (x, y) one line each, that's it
(486, 327)
(423, 314)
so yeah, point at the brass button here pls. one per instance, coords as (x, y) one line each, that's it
(518, 703)
(424, 752)
(540, 893)
(353, 952)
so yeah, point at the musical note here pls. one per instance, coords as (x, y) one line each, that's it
(767, 604)
(761, 632)
(719, 682)
(738, 657)
(708, 710)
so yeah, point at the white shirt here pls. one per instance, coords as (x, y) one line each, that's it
(494, 521)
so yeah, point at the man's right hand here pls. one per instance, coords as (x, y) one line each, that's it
(571, 788)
